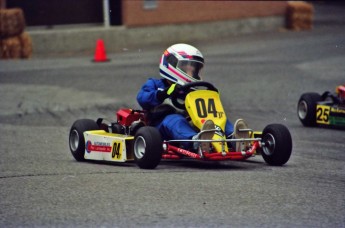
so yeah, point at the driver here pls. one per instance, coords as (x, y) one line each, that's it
(340, 91)
(179, 64)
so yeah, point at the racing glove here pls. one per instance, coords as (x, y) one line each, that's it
(164, 94)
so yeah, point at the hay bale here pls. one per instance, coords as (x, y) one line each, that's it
(12, 22)
(14, 42)
(299, 15)
(16, 47)
(10, 48)
(26, 45)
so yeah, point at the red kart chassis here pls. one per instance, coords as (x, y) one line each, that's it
(173, 152)
(126, 117)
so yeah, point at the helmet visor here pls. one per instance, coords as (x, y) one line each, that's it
(191, 68)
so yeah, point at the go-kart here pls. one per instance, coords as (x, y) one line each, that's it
(130, 137)
(327, 109)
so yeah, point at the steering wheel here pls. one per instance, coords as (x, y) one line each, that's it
(180, 93)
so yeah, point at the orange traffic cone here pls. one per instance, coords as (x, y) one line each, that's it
(100, 55)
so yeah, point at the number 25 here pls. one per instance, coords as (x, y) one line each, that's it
(322, 114)
(202, 110)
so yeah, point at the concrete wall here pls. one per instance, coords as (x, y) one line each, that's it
(119, 38)
(177, 11)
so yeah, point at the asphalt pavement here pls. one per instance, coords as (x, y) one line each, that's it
(260, 77)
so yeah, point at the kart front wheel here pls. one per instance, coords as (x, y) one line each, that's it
(148, 147)
(306, 108)
(276, 144)
(76, 137)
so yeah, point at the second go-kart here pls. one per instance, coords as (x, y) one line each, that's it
(327, 109)
(131, 138)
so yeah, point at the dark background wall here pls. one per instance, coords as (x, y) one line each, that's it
(142, 12)
(62, 12)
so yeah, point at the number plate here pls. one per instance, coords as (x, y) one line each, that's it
(101, 145)
(322, 114)
(203, 105)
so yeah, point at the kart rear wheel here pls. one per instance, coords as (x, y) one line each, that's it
(306, 108)
(276, 144)
(76, 137)
(148, 147)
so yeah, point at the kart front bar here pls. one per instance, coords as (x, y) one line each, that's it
(174, 152)
(215, 140)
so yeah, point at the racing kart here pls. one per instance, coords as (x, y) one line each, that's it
(131, 138)
(327, 109)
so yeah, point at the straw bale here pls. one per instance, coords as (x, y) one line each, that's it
(10, 48)
(12, 22)
(26, 45)
(299, 15)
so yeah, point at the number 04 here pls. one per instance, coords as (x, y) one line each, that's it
(203, 110)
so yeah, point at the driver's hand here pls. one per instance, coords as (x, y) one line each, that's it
(171, 89)
(164, 94)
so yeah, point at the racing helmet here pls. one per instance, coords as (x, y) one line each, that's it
(181, 64)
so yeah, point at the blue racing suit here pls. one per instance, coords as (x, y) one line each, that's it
(172, 126)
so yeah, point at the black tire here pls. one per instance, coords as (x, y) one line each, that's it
(76, 137)
(148, 147)
(276, 144)
(306, 108)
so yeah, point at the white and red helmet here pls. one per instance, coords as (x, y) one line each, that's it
(181, 64)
